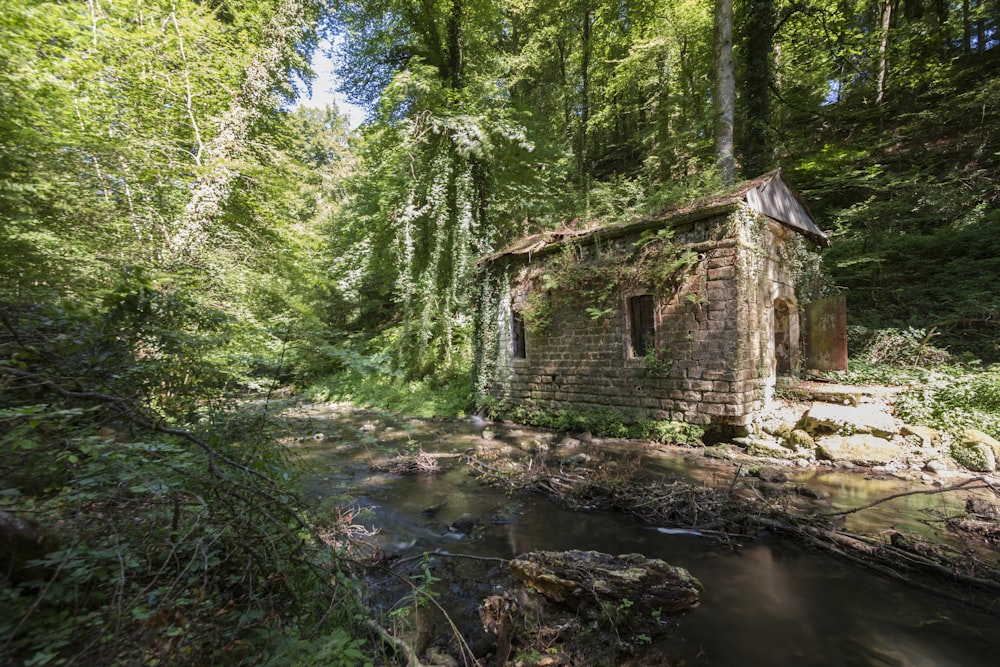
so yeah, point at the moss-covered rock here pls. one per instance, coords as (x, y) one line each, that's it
(799, 439)
(973, 453)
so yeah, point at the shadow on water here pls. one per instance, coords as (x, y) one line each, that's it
(765, 603)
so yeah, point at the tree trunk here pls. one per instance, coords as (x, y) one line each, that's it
(883, 51)
(584, 92)
(756, 86)
(291, 19)
(725, 91)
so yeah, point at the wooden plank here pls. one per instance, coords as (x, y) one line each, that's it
(825, 334)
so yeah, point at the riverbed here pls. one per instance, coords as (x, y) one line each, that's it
(766, 601)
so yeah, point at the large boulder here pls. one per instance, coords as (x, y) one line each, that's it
(862, 449)
(593, 579)
(827, 418)
(976, 451)
(587, 607)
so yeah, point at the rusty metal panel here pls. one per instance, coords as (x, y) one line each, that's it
(825, 334)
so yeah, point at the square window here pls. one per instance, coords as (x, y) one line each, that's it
(642, 326)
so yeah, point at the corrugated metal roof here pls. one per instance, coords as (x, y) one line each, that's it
(769, 195)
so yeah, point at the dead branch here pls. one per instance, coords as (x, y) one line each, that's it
(967, 485)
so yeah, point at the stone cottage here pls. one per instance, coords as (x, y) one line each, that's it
(688, 316)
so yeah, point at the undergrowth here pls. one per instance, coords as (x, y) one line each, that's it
(608, 422)
(942, 391)
(148, 514)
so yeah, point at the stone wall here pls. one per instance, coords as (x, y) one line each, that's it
(714, 361)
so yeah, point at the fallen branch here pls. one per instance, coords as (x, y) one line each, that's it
(967, 485)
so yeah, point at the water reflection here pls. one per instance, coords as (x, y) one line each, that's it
(765, 603)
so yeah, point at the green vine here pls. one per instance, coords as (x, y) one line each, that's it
(595, 282)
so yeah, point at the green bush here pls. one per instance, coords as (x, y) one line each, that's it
(955, 398)
(608, 422)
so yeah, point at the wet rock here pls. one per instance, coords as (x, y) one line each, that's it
(577, 459)
(433, 509)
(860, 449)
(973, 453)
(569, 443)
(764, 447)
(846, 420)
(770, 475)
(465, 524)
(487, 434)
(592, 580)
(508, 514)
(981, 508)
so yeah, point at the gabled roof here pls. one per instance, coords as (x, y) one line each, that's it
(769, 195)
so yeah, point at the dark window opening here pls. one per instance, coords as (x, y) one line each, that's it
(518, 348)
(782, 340)
(642, 328)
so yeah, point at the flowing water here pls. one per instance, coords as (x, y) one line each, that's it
(767, 602)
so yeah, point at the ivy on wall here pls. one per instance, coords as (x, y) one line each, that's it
(594, 279)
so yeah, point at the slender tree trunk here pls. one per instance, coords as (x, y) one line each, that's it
(725, 91)
(756, 86)
(455, 59)
(585, 93)
(291, 19)
(981, 26)
(883, 51)
(966, 27)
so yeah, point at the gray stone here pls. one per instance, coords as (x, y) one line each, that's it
(824, 418)
(465, 524)
(595, 579)
(936, 466)
(860, 449)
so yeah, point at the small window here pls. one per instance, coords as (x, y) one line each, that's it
(642, 328)
(518, 349)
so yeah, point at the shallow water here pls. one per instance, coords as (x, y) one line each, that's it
(765, 603)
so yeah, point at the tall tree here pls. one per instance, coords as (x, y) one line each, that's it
(292, 24)
(724, 100)
(757, 69)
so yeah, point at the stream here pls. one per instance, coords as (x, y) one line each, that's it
(767, 602)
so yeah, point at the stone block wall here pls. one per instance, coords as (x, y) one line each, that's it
(714, 333)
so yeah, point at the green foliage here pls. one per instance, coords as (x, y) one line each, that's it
(608, 422)
(594, 279)
(954, 398)
(371, 378)
(160, 554)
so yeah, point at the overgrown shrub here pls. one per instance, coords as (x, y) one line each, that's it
(174, 534)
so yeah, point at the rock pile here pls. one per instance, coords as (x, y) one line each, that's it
(849, 426)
